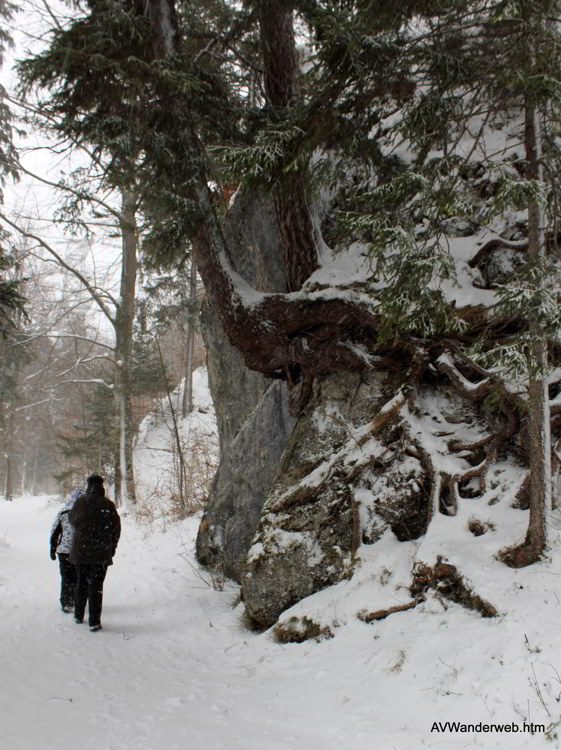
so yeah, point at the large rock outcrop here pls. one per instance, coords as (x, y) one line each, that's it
(360, 464)
(375, 454)
(251, 411)
(307, 533)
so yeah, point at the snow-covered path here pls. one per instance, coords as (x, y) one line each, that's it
(174, 669)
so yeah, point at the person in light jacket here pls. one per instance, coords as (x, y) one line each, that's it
(97, 528)
(62, 536)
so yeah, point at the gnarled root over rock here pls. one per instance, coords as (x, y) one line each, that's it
(449, 584)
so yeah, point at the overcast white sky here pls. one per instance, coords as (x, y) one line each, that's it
(34, 204)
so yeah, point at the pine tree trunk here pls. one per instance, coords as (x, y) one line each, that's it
(281, 68)
(24, 457)
(23, 469)
(8, 492)
(538, 398)
(279, 51)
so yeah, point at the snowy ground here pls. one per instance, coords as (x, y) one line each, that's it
(175, 669)
(156, 462)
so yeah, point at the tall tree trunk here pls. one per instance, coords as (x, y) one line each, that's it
(279, 52)
(187, 403)
(124, 474)
(35, 470)
(23, 467)
(538, 401)
(8, 484)
(280, 62)
(8, 455)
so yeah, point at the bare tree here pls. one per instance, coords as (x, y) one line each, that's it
(117, 310)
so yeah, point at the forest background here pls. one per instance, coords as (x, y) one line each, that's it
(369, 195)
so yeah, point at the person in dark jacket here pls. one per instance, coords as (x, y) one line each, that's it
(97, 528)
(62, 536)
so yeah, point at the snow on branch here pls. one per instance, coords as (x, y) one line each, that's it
(473, 391)
(38, 403)
(81, 361)
(48, 334)
(98, 381)
(96, 296)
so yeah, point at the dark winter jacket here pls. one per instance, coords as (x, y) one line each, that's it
(97, 529)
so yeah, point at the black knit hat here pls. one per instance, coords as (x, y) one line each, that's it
(95, 480)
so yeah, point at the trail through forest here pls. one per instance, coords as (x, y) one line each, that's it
(174, 668)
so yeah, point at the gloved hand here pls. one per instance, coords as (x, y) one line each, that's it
(53, 553)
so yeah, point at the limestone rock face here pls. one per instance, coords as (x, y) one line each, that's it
(355, 470)
(246, 472)
(251, 411)
(310, 525)
(235, 389)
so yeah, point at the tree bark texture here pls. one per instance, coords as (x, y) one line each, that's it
(538, 398)
(124, 475)
(279, 52)
(280, 63)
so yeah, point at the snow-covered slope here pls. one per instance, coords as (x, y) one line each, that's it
(175, 668)
(156, 454)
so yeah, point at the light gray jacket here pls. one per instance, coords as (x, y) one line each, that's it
(67, 537)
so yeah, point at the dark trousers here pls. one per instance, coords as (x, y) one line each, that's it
(67, 581)
(89, 588)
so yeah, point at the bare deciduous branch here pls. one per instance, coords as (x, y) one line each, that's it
(96, 296)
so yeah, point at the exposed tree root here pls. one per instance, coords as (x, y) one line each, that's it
(471, 391)
(381, 614)
(496, 443)
(448, 583)
(388, 412)
(457, 447)
(444, 496)
(478, 528)
(519, 556)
